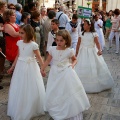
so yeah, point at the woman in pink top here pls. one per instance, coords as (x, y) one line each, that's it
(115, 30)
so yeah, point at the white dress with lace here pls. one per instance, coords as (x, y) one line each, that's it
(91, 68)
(27, 92)
(65, 95)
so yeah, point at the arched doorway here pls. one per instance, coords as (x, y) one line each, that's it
(95, 5)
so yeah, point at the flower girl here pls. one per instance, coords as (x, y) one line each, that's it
(65, 95)
(27, 92)
(91, 67)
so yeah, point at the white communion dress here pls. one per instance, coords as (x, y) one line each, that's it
(91, 68)
(27, 92)
(65, 95)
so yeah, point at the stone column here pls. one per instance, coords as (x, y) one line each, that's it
(70, 6)
(100, 5)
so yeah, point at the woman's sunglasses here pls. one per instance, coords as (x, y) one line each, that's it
(12, 8)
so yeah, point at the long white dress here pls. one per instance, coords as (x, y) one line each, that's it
(91, 68)
(100, 33)
(27, 92)
(65, 95)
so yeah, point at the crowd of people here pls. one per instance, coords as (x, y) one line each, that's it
(70, 45)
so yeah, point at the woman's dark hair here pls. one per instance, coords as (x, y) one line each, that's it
(24, 16)
(116, 12)
(35, 14)
(31, 5)
(51, 14)
(89, 22)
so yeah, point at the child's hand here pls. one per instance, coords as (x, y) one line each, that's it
(99, 53)
(71, 66)
(43, 73)
(9, 71)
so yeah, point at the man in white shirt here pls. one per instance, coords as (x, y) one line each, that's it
(62, 17)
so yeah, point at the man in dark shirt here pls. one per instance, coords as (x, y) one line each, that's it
(3, 7)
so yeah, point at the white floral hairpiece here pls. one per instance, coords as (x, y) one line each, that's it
(88, 20)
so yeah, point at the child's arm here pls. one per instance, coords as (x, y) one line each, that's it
(74, 61)
(39, 58)
(46, 63)
(98, 46)
(13, 65)
(78, 46)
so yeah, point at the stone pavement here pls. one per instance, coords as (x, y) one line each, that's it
(104, 105)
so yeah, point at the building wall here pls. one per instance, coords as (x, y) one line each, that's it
(113, 5)
(110, 4)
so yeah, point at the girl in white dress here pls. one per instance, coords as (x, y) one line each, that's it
(65, 95)
(91, 67)
(98, 27)
(27, 92)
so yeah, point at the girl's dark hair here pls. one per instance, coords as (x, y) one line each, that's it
(28, 29)
(90, 22)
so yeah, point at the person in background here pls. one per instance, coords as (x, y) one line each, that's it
(11, 6)
(32, 7)
(98, 27)
(52, 33)
(43, 16)
(25, 19)
(62, 17)
(115, 30)
(3, 6)
(74, 29)
(18, 13)
(38, 28)
(47, 27)
(11, 30)
(108, 25)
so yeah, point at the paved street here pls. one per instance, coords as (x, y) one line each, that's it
(104, 105)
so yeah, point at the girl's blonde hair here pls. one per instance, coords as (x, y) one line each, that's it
(66, 36)
(28, 29)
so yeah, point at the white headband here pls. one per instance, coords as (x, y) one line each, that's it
(88, 21)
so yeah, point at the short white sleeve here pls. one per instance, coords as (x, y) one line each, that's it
(35, 46)
(95, 34)
(18, 42)
(72, 52)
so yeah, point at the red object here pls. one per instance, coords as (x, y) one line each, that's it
(11, 47)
